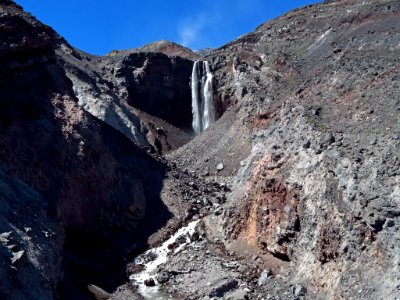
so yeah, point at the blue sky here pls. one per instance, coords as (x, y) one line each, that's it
(99, 26)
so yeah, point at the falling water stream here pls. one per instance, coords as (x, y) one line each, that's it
(151, 267)
(202, 96)
(203, 116)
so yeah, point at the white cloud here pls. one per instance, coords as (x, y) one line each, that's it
(197, 30)
(190, 30)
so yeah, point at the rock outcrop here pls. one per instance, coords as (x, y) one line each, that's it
(166, 47)
(145, 96)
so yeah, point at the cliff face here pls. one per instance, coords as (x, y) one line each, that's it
(144, 95)
(72, 187)
(318, 188)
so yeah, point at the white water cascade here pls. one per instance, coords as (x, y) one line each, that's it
(150, 268)
(202, 96)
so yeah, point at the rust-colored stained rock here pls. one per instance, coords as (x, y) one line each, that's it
(273, 219)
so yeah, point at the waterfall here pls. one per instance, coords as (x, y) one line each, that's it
(202, 96)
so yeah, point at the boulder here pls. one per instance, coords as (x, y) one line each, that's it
(149, 282)
(223, 287)
(220, 167)
(299, 290)
(264, 277)
(162, 277)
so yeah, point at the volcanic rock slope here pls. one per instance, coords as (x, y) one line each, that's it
(127, 89)
(308, 137)
(309, 140)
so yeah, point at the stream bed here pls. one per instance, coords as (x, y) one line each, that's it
(161, 256)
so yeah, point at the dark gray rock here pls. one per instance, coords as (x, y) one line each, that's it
(223, 287)
(149, 282)
(162, 277)
(375, 220)
(307, 145)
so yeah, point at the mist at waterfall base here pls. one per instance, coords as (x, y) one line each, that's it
(202, 96)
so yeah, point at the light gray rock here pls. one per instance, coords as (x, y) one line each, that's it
(17, 256)
(98, 292)
(299, 290)
(220, 167)
(240, 294)
(263, 279)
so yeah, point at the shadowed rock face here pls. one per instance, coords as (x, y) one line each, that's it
(134, 92)
(30, 243)
(160, 86)
(93, 187)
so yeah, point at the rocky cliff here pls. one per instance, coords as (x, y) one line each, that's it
(74, 190)
(295, 186)
(127, 89)
(311, 150)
